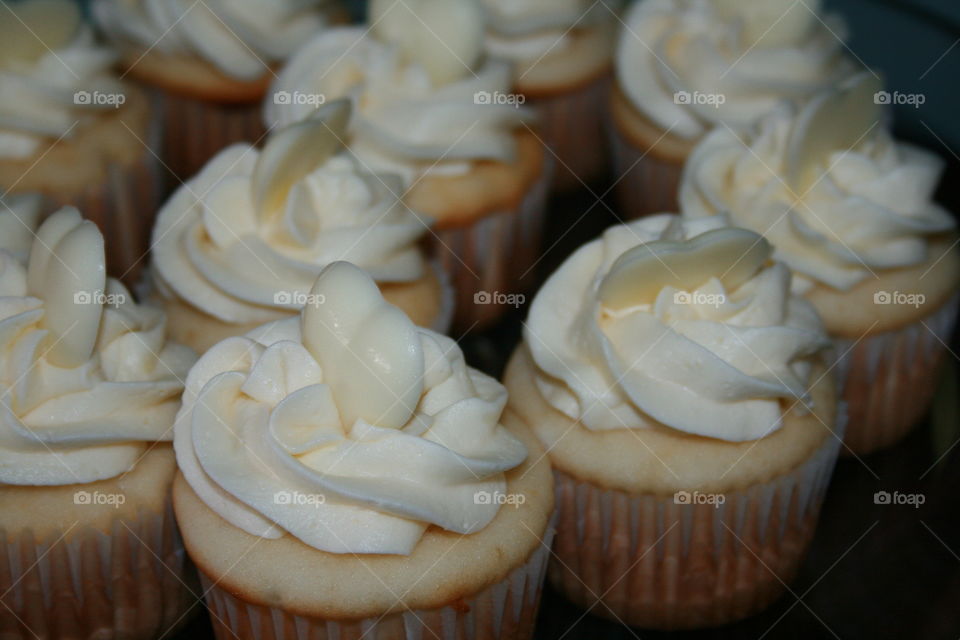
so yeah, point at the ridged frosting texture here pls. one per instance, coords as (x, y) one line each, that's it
(52, 76)
(414, 82)
(348, 427)
(836, 195)
(241, 38)
(753, 54)
(684, 325)
(246, 238)
(19, 217)
(528, 30)
(88, 379)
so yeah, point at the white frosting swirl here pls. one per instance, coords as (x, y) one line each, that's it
(52, 77)
(348, 427)
(754, 54)
(19, 217)
(86, 375)
(406, 122)
(861, 209)
(686, 325)
(246, 238)
(241, 38)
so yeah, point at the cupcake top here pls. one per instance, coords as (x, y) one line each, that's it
(426, 100)
(245, 239)
(346, 427)
(88, 377)
(689, 65)
(836, 195)
(665, 323)
(19, 216)
(241, 38)
(53, 76)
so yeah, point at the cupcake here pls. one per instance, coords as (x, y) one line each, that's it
(390, 503)
(426, 110)
(688, 412)
(242, 243)
(683, 67)
(91, 389)
(562, 55)
(19, 217)
(208, 64)
(69, 129)
(850, 210)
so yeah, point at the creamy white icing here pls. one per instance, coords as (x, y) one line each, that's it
(87, 377)
(686, 325)
(241, 38)
(19, 217)
(247, 237)
(418, 86)
(348, 427)
(830, 188)
(53, 76)
(753, 54)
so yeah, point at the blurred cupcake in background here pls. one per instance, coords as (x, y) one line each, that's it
(424, 96)
(684, 67)
(91, 389)
(19, 217)
(208, 64)
(242, 242)
(562, 54)
(850, 210)
(345, 474)
(70, 130)
(684, 398)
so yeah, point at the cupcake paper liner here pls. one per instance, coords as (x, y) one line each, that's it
(487, 260)
(506, 610)
(889, 379)
(572, 125)
(195, 130)
(644, 183)
(448, 299)
(669, 563)
(135, 583)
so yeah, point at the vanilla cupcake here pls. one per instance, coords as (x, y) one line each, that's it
(208, 63)
(562, 54)
(242, 243)
(682, 395)
(71, 130)
(91, 388)
(344, 473)
(683, 67)
(19, 218)
(426, 109)
(850, 210)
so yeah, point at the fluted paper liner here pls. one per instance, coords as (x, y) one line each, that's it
(644, 183)
(491, 255)
(649, 561)
(506, 610)
(889, 379)
(133, 583)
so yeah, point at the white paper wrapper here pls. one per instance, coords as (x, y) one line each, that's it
(652, 561)
(486, 259)
(506, 610)
(135, 583)
(645, 184)
(889, 379)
